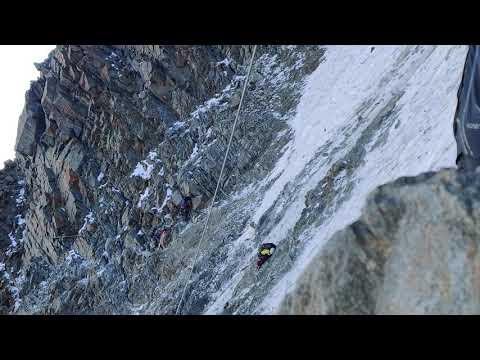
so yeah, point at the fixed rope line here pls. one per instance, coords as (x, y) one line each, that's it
(219, 180)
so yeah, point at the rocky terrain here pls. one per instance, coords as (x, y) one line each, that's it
(113, 138)
(414, 250)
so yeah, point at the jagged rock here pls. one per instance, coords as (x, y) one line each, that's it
(32, 121)
(415, 250)
(110, 140)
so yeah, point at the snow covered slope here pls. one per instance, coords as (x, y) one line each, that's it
(368, 115)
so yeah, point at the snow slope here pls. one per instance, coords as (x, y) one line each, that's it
(386, 112)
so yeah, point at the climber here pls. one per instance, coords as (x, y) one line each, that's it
(466, 126)
(264, 253)
(160, 237)
(186, 207)
(156, 235)
(163, 238)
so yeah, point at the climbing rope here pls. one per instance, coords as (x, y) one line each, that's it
(219, 180)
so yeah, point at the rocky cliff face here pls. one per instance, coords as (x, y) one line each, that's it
(112, 138)
(414, 250)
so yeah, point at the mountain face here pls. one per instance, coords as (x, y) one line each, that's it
(112, 139)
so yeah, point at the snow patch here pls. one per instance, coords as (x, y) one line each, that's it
(89, 219)
(209, 133)
(143, 170)
(71, 255)
(20, 220)
(143, 196)
(20, 199)
(225, 62)
(168, 196)
(153, 156)
(13, 240)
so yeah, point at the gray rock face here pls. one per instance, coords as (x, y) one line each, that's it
(110, 141)
(101, 110)
(415, 250)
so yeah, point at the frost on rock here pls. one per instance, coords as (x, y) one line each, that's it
(153, 156)
(178, 124)
(143, 196)
(195, 151)
(12, 286)
(225, 62)
(89, 219)
(193, 154)
(71, 256)
(20, 199)
(15, 292)
(13, 240)
(19, 220)
(210, 103)
(209, 133)
(168, 196)
(143, 170)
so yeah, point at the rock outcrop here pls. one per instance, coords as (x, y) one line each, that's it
(415, 250)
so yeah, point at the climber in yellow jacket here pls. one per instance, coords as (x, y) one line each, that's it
(264, 253)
